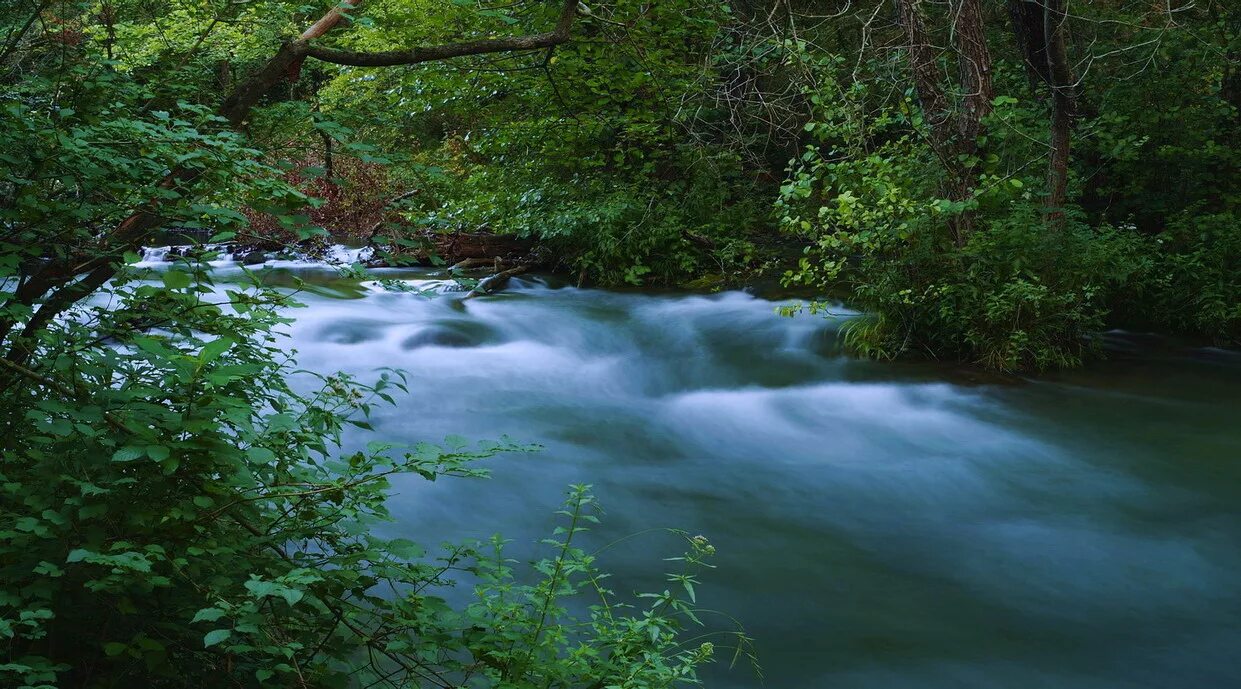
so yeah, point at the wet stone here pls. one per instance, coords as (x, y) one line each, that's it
(449, 335)
(251, 258)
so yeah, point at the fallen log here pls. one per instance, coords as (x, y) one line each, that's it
(463, 245)
(490, 285)
(437, 248)
(471, 263)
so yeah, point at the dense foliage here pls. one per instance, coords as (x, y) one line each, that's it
(1146, 234)
(583, 148)
(990, 183)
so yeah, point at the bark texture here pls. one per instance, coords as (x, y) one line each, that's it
(954, 123)
(1063, 100)
(1040, 32)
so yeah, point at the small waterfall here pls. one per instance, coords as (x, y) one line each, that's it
(162, 256)
(155, 254)
(228, 255)
(341, 254)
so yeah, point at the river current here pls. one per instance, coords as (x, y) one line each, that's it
(878, 525)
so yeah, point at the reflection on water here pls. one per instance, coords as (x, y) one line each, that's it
(879, 525)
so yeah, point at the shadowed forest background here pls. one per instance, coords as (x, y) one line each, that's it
(994, 183)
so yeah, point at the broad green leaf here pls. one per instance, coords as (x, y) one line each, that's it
(176, 279)
(404, 549)
(128, 454)
(262, 454)
(214, 349)
(261, 589)
(214, 637)
(207, 615)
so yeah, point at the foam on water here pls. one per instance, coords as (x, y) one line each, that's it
(335, 255)
(878, 525)
(876, 528)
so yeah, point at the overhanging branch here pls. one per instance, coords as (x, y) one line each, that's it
(411, 56)
(55, 280)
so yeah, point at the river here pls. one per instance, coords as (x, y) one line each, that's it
(878, 525)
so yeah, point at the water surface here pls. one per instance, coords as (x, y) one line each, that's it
(878, 525)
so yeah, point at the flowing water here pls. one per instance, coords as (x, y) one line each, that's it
(878, 525)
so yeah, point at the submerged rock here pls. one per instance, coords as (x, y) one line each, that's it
(352, 331)
(250, 258)
(454, 334)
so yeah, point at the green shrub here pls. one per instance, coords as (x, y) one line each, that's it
(1017, 294)
(1015, 297)
(1192, 281)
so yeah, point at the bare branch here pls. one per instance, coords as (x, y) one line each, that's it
(411, 56)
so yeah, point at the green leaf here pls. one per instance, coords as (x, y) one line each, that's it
(207, 615)
(128, 454)
(262, 454)
(157, 452)
(175, 279)
(46, 568)
(214, 637)
(214, 349)
(404, 549)
(260, 588)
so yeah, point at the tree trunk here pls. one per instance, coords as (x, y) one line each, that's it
(1055, 18)
(1039, 30)
(974, 67)
(954, 131)
(927, 83)
(329, 163)
(1026, 18)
